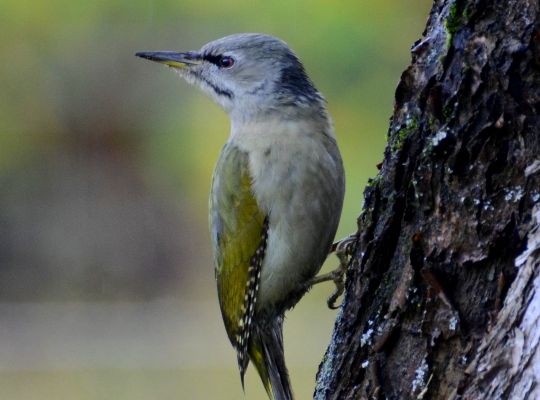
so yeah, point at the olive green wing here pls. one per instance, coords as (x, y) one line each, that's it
(239, 230)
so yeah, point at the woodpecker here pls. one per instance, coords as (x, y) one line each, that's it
(277, 190)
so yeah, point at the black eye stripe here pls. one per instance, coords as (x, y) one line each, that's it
(220, 60)
(212, 58)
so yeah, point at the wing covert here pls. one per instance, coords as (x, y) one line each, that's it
(239, 230)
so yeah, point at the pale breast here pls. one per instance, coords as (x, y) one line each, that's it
(298, 181)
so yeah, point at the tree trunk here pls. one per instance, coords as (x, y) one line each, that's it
(443, 290)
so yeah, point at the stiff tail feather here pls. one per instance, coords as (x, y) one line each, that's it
(266, 353)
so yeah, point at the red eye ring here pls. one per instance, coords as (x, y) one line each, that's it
(225, 62)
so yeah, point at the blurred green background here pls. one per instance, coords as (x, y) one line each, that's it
(106, 281)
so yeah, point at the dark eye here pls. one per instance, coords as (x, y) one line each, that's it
(225, 62)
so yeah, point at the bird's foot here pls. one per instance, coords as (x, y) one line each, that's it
(345, 246)
(343, 249)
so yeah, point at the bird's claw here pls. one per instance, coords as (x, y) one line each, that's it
(344, 247)
(338, 277)
(344, 250)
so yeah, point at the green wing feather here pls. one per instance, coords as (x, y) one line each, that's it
(237, 226)
(239, 234)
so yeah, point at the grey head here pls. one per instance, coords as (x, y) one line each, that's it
(249, 75)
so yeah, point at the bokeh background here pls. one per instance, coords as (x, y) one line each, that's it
(106, 281)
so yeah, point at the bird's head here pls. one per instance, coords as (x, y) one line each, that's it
(248, 75)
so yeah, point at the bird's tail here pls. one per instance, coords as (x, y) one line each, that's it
(266, 353)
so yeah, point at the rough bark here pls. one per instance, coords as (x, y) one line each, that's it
(436, 305)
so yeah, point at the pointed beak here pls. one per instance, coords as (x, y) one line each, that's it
(172, 58)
